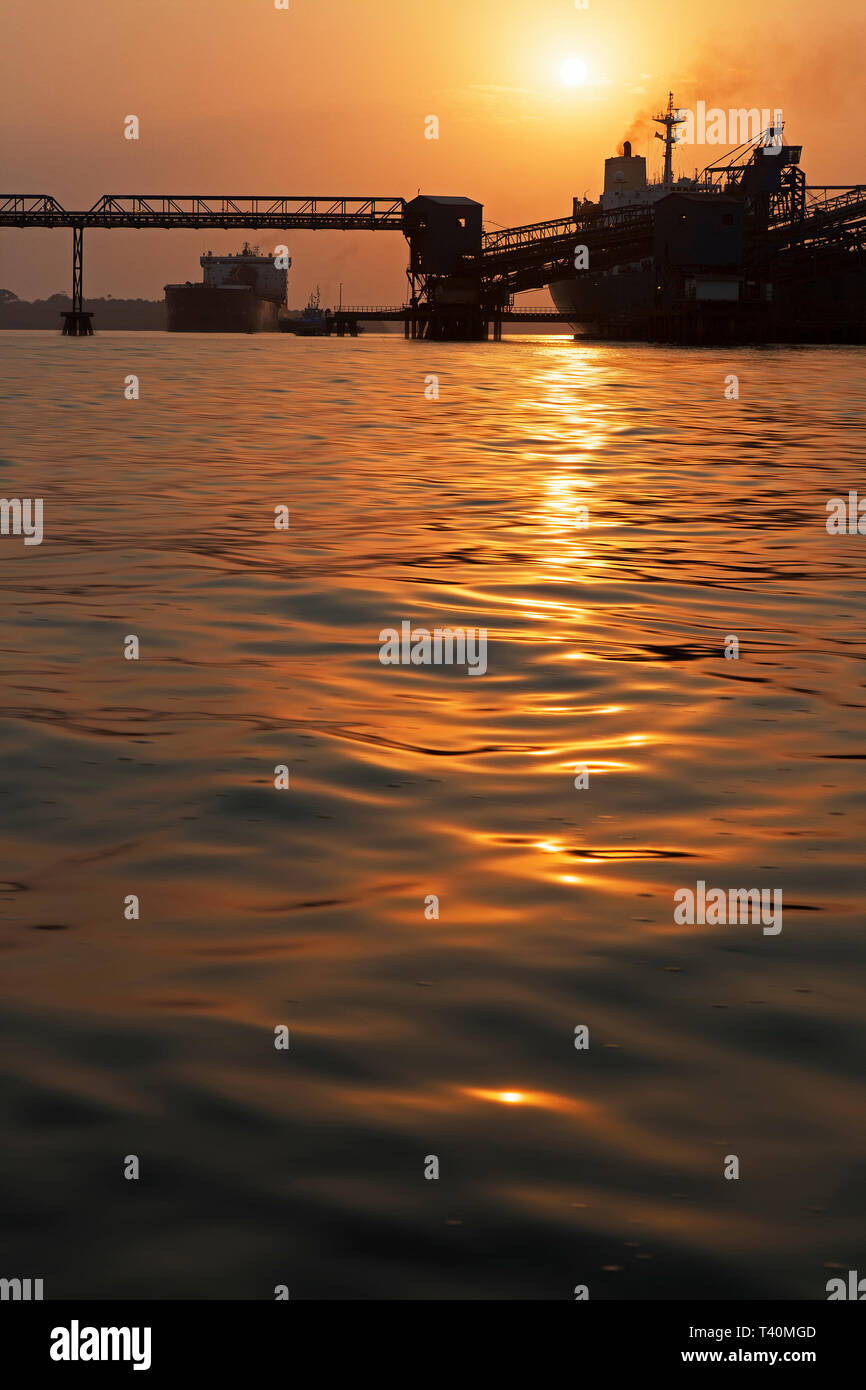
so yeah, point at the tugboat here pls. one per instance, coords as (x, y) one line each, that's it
(313, 322)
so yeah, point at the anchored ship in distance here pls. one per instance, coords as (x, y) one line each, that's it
(242, 293)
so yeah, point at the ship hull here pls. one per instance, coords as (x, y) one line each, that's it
(628, 309)
(302, 329)
(218, 309)
(823, 305)
(596, 304)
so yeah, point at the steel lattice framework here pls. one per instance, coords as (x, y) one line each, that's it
(168, 211)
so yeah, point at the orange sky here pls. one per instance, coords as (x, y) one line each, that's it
(236, 97)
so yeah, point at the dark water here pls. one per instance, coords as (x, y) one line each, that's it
(413, 1037)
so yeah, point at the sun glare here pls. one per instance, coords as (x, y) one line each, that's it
(574, 72)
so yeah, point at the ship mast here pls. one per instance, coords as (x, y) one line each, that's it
(670, 120)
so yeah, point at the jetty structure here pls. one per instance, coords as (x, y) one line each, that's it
(746, 250)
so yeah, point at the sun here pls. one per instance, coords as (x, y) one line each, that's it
(574, 72)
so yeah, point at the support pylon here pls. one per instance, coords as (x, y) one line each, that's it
(77, 323)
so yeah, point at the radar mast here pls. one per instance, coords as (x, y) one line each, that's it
(670, 119)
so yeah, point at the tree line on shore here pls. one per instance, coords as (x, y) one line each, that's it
(107, 313)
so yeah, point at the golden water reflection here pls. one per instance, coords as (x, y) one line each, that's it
(432, 906)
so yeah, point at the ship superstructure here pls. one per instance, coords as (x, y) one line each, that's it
(625, 180)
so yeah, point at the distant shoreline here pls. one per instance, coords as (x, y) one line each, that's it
(128, 314)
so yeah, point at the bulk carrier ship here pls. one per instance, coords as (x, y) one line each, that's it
(244, 293)
(730, 254)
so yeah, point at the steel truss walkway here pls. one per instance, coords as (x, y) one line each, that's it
(168, 211)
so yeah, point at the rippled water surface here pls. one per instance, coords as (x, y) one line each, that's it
(412, 1036)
